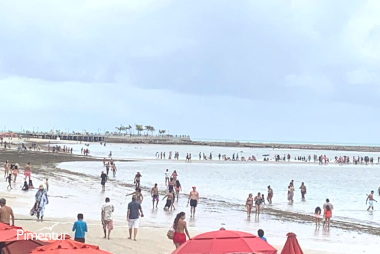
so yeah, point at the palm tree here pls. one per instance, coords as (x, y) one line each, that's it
(128, 129)
(139, 128)
(162, 132)
(150, 128)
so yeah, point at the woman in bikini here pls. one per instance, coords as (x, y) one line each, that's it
(15, 172)
(328, 215)
(258, 202)
(177, 188)
(249, 204)
(180, 228)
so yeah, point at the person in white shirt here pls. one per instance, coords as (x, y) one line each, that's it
(167, 175)
(107, 210)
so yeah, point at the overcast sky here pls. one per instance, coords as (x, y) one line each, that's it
(286, 70)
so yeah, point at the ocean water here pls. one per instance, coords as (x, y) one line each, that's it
(224, 187)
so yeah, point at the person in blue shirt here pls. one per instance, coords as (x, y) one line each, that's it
(260, 232)
(80, 228)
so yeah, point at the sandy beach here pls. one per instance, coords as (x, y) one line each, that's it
(65, 203)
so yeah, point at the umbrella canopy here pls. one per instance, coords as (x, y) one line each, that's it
(68, 246)
(291, 245)
(12, 240)
(225, 241)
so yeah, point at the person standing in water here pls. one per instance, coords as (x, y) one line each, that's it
(178, 188)
(180, 228)
(193, 200)
(249, 204)
(137, 179)
(370, 200)
(167, 174)
(154, 193)
(169, 201)
(6, 169)
(303, 190)
(27, 171)
(270, 195)
(114, 169)
(290, 193)
(258, 200)
(103, 181)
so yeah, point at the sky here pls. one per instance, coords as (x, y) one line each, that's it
(280, 70)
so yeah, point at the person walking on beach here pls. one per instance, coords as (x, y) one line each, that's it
(39, 206)
(107, 221)
(6, 213)
(154, 194)
(270, 195)
(370, 200)
(303, 190)
(6, 169)
(180, 228)
(193, 200)
(137, 179)
(133, 214)
(249, 204)
(103, 181)
(80, 229)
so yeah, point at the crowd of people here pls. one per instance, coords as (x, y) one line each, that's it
(60, 149)
(171, 194)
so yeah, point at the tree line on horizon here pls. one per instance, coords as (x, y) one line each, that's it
(139, 128)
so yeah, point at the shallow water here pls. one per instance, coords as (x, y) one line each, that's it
(224, 186)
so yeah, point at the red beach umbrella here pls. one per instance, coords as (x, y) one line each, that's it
(291, 246)
(12, 240)
(68, 246)
(225, 241)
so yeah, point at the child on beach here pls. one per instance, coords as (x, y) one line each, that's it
(47, 184)
(317, 214)
(80, 228)
(9, 178)
(263, 198)
(328, 214)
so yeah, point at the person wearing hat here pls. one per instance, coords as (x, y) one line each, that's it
(5, 213)
(41, 200)
(193, 200)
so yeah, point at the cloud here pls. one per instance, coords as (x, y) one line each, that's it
(170, 62)
(361, 77)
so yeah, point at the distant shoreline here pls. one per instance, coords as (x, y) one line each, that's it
(163, 140)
